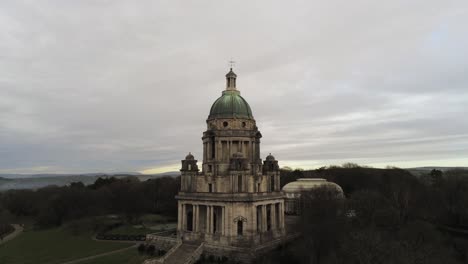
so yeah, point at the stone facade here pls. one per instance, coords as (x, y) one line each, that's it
(235, 200)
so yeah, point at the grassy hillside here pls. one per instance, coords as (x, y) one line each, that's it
(55, 245)
(129, 256)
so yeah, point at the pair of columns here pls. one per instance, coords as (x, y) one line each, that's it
(274, 224)
(220, 220)
(209, 224)
(218, 148)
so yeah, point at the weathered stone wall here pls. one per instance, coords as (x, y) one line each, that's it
(161, 242)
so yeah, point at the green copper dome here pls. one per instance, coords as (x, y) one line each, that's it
(230, 105)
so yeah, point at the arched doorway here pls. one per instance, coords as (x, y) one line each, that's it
(190, 221)
(215, 221)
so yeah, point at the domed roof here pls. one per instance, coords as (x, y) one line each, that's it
(189, 156)
(270, 157)
(230, 105)
(307, 184)
(231, 74)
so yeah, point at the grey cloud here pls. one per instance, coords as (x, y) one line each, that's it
(123, 86)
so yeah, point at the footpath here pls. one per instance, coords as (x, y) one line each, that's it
(18, 230)
(99, 255)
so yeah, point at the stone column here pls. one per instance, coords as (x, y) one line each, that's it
(223, 225)
(207, 225)
(254, 159)
(264, 219)
(195, 218)
(180, 217)
(212, 219)
(273, 216)
(281, 212)
(184, 225)
(254, 220)
(279, 185)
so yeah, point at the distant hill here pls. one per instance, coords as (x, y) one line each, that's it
(4, 179)
(418, 171)
(34, 181)
(48, 175)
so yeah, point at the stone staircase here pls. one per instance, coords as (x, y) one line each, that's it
(185, 254)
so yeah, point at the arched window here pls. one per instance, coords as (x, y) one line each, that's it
(240, 227)
(190, 167)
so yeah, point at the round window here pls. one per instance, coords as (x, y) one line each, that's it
(225, 124)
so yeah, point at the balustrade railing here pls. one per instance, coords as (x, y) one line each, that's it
(195, 255)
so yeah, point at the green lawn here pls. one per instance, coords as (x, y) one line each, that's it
(141, 230)
(129, 256)
(53, 246)
(156, 218)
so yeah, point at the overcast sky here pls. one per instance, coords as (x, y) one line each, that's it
(117, 86)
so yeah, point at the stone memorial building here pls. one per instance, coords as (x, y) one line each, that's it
(233, 199)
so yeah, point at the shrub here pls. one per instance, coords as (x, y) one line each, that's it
(150, 250)
(141, 248)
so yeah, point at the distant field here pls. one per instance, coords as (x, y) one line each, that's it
(129, 256)
(53, 246)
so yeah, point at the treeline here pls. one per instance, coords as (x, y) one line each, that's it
(53, 205)
(388, 216)
(441, 197)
